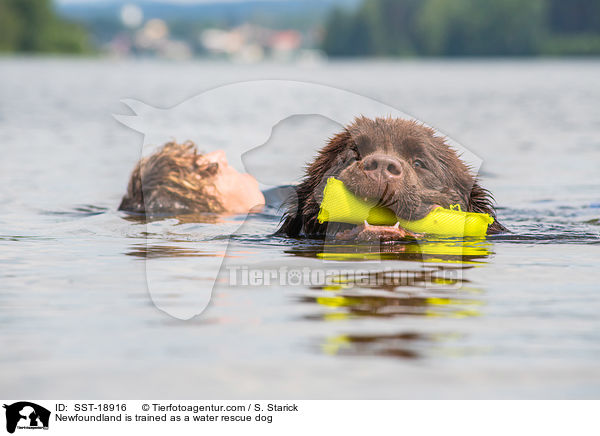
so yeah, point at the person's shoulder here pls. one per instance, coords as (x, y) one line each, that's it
(277, 196)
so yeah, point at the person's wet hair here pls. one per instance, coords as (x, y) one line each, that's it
(174, 180)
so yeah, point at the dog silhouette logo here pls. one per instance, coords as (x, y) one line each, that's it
(26, 415)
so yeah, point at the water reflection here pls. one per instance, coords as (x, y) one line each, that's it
(80, 211)
(451, 250)
(196, 218)
(433, 285)
(423, 280)
(158, 251)
(397, 293)
(401, 345)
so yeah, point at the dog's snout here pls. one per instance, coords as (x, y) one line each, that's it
(380, 165)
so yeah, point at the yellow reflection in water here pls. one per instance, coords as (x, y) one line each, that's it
(435, 291)
(462, 250)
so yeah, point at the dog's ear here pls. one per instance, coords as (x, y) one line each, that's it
(328, 159)
(292, 224)
(303, 207)
(482, 201)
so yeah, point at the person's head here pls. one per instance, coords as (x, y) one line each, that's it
(178, 180)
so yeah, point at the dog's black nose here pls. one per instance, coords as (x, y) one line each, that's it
(381, 165)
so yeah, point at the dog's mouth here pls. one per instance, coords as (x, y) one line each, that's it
(404, 199)
(369, 233)
(406, 205)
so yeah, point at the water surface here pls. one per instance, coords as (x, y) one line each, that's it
(515, 316)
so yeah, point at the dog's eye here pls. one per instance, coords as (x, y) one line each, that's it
(418, 163)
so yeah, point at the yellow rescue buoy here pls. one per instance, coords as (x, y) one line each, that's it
(341, 205)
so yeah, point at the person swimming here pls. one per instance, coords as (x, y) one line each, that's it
(178, 180)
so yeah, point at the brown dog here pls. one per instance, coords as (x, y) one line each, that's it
(398, 163)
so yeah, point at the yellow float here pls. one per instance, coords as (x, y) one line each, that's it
(341, 205)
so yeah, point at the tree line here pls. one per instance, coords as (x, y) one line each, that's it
(465, 28)
(33, 26)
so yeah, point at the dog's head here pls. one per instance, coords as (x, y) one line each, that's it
(397, 163)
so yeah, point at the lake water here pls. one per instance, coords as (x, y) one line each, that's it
(515, 316)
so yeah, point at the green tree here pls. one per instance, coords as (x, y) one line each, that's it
(574, 16)
(392, 25)
(377, 28)
(347, 35)
(440, 28)
(481, 27)
(33, 26)
(574, 28)
(10, 25)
